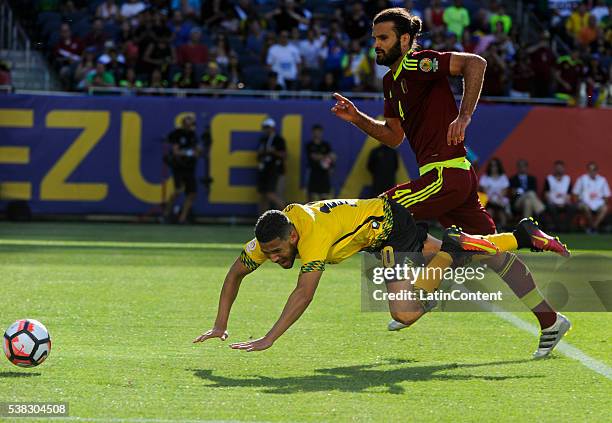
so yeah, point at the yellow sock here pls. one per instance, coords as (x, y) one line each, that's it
(430, 280)
(505, 241)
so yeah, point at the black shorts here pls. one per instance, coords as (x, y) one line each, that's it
(267, 181)
(184, 179)
(406, 239)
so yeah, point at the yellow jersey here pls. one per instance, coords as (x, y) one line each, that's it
(331, 231)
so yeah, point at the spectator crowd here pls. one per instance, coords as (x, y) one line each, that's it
(320, 45)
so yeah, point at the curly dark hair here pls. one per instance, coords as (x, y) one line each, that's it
(271, 225)
(403, 22)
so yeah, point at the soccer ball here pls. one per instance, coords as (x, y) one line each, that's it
(27, 343)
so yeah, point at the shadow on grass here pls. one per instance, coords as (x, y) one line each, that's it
(385, 376)
(17, 374)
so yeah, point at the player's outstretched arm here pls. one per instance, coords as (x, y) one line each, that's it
(231, 285)
(388, 132)
(472, 67)
(297, 303)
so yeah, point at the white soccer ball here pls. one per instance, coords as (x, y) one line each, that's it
(27, 343)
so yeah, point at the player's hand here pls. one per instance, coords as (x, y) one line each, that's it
(213, 333)
(255, 345)
(456, 130)
(344, 108)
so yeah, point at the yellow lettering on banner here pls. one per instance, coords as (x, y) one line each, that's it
(359, 177)
(54, 185)
(221, 127)
(292, 133)
(16, 118)
(131, 175)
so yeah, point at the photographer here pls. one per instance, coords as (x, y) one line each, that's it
(182, 160)
(271, 156)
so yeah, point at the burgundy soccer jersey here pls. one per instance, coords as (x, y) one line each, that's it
(420, 96)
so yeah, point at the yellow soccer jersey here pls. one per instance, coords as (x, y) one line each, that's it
(330, 231)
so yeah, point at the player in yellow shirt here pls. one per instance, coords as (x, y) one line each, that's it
(327, 232)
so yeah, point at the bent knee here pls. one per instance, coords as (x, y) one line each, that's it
(406, 317)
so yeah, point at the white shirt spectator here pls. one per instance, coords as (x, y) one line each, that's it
(284, 60)
(311, 52)
(599, 12)
(557, 190)
(494, 188)
(105, 58)
(592, 191)
(129, 10)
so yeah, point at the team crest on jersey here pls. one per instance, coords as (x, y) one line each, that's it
(428, 65)
(251, 246)
(404, 86)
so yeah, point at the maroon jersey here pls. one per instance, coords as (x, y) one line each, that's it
(419, 94)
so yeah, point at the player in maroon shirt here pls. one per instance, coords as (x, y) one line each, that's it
(420, 105)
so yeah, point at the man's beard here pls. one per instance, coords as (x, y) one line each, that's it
(389, 58)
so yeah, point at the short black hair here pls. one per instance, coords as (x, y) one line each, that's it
(271, 225)
(403, 22)
(500, 166)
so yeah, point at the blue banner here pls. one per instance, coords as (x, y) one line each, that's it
(103, 155)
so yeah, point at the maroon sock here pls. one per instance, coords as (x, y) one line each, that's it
(518, 277)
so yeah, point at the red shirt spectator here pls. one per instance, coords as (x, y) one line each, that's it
(96, 37)
(69, 48)
(194, 51)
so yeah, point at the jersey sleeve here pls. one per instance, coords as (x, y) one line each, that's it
(427, 65)
(313, 251)
(251, 255)
(389, 111)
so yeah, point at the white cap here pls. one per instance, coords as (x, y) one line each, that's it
(268, 122)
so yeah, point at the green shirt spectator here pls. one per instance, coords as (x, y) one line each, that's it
(502, 17)
(456, 18)
(100, 77)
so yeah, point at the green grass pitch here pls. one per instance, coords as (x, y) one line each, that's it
(123, 303)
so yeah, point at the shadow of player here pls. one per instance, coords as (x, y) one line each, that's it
(385, 376)
(18, 374)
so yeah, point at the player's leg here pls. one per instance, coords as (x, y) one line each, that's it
(190, 195)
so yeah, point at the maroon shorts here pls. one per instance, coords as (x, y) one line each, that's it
(448, 195)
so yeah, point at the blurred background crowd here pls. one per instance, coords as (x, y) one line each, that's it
(543, 48)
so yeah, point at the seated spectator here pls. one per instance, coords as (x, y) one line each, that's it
(557, 190)
(179, 29)
(597, 80)
(496, 72)
(272, 83)
(357, 25)
(494, 183)
(577, 20)
(568, 75)
(100, 77)
(522, 76)
(114, 62)
(234, 74)
(130, 9)
(185, 78)
(5, 73)
(543, 61)
(246, 13)
(157, 79)
(469, 42)
(85, 66)
(310, 50)
(592, 191)
(255, 41)
(588, 35)
(600, 10)
(213, 78)
(356, 67)
(329, 83)
(107, 11)
(456, 18)
(67, 53)
(524, 188)
(221, 53)
(96, 37)
(434, 17)
(284, 59)
(501, 16)
(194, 51)
(287, 16)
(191, 9)
(159, 55)
(130, 80)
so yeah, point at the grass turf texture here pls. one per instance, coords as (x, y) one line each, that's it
(123, 303)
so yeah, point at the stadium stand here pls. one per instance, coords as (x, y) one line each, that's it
(573, 43)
